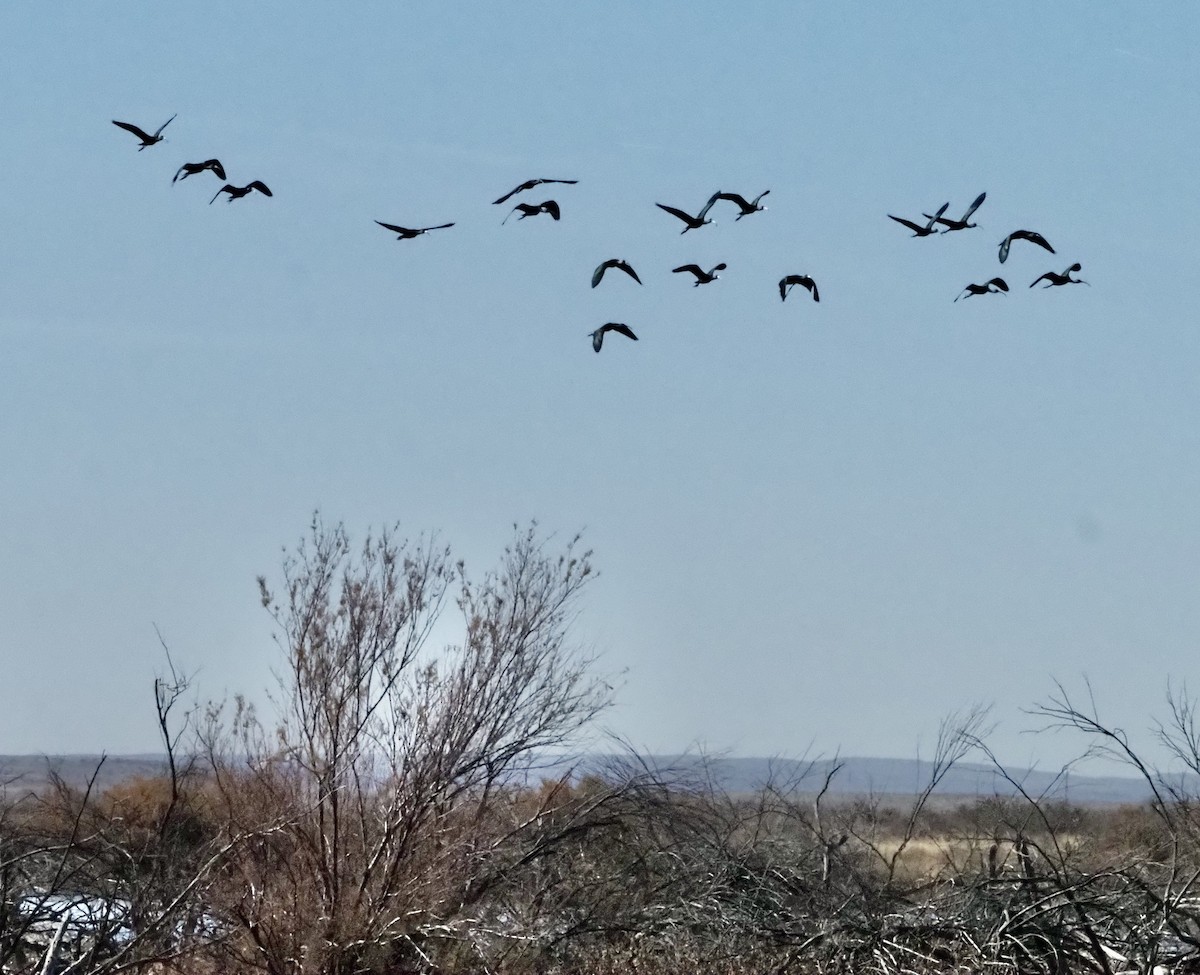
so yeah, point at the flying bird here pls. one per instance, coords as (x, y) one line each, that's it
(993, 287)
(619, 265)
(1030, 235)
(786, 285)
(702, 276)
(1054, 279)
(692, 222)
(961, 224)
(747, 208)
(147, 140)
(237, 192)
(598, 335)
(408, 233)
(191, 169)
(919, 230)
(533, 209)
(530, 184)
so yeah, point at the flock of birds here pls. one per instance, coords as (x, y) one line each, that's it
(935, 223)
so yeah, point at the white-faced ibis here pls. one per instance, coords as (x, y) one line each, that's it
(925, 230)
(692, 222)
(702, 276)
(533, 209)
(598, 335)
(961, 224)
(191, 169)
(786, 285)
(237, 192)
(619, 264)
(147, 140)
(530, 184)
(995, 286)
(747, 207)
(1030, 235)
(408, 233)
(1054, 279)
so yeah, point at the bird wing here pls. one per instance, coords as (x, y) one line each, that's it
(708, 206)
(812, 286)
(393, 228)
(691, 268)
(934, 219)
(999, 283)
(685, 217)
(624, 266)
(572, 182)
(973, 207)
(226, 187)
(1048, 276)
(216, 167)
(759, 197)
(622, 329)
(598, 274)
(130, 127)
(440, 226)
(1033, 237)
(735, 198)
(783, 286)
(262, 187)
(597, 339)
(1004, 245)
(182, 171)
(551, 207)
(527, 185)
(915, 227)
(158, 132)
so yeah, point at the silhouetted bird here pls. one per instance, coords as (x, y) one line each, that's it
(919, 230)
(747, 208)
(702, 276)
(530, 184)
(619, 264)
(147, 140)
(598, 335)
(237, 192)
(995, 286)
(961, 224)
(692, 222)
(786, 285)
(191, 169)
(1030, 235)
(533, 209)
(1055, 279)
(408, 233)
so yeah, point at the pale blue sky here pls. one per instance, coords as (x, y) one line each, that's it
(816, 524)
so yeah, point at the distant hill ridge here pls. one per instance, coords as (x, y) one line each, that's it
(857, 777)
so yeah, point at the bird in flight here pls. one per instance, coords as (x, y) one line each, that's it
(962, 223)
(786, 285)
(191, 169)
(533, 209)
(692, 222)
(619, 264)
(598, 335)
(147, 140)
(530, 184)
(1030, 235)
(747, 208)
(408, 233)
(919, 230)
(237, 192)
(994, 287)
(702, 276)
(1054, 279)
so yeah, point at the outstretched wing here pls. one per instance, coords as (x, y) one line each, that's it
(440, 226)
(914, 227)
(973, 207)
(393, 228)
(1034, 238)
(622, 329)
(690, 268)
(937, 216)
(551, 208)
(759, 197)
(1004, 245)
(598, 274)
(215, 166)
(130, 127)
(708, 206)
(527, 185)
(1048, 276)
(624, 266)
(685, 217)
(783, 286)
(735, 198)
(158, 132)
(226, 188)
(262, 187)
(999, 283)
